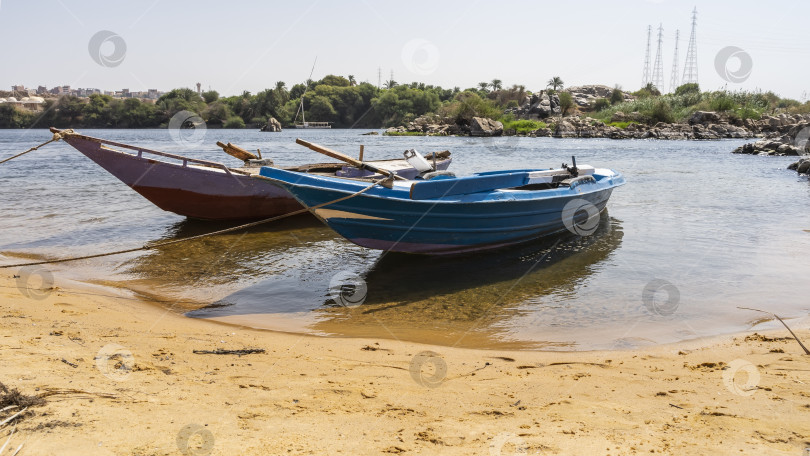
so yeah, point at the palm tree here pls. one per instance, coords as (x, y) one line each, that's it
(390, 84)
(352, 81)
(555, 83)
(483, 86)
(281, 86)
(496, 84)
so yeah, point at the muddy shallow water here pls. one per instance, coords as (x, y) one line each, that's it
(694, 234)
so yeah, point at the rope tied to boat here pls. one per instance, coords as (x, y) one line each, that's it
(56, 137)
(200, 236)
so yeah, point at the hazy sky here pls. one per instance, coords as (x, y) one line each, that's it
(233, 46)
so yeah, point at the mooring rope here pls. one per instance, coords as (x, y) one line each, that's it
(56, 137)
(213, 233)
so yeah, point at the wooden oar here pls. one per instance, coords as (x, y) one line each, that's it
(237, 152)
(342, 157)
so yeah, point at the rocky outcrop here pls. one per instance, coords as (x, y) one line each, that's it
(480, 126)
(272, 125)
(802, 166)
(429, 124)
(771, 147)
(585, 96)
(587, 127)
(539, 106)
(704, 118)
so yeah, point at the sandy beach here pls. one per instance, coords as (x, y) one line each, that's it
(121, 377)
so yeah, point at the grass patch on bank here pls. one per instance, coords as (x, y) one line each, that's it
(404, 133)
(523, 126)
(621, 125)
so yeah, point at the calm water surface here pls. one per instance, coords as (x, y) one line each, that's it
(724, 230)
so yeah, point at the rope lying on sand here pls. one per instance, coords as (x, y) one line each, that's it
(56, 137)
(213, 233)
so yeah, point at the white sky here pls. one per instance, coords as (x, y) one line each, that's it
(248, 45)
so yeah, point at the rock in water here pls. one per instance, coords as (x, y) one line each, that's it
(272, 125)
(480, 126)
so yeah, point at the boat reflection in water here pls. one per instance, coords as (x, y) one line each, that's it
(280, 279)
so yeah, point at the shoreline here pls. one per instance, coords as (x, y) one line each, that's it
(400, 398)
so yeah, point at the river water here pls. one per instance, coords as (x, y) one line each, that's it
(696, 233)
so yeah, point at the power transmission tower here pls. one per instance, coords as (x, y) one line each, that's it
(658, 71)
(379, 77)
(673, 79)
(645, 78)
(690, 70)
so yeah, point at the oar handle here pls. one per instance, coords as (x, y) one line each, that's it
(343, 157)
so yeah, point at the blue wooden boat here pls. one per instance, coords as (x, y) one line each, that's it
(448, 214)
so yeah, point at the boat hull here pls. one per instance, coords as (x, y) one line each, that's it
(378, 220)
(194, 191)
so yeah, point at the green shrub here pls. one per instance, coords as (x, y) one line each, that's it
(566, 102)
(688, 89)
(616, 96)
(601, 104)
(722, 103)
(661, 111)
(234, 122)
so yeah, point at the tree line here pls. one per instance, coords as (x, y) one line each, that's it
(347, 104)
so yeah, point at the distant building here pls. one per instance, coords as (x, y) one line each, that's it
(27, 103)
(42, 90)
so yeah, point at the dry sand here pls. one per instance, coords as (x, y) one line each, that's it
(146, 393)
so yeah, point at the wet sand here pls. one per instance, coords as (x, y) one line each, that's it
(143, 390)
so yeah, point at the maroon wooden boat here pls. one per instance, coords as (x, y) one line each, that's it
(208, 190)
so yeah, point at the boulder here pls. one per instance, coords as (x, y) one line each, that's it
(802, 166)
(272, 125)
(480, 126)
(704, 117)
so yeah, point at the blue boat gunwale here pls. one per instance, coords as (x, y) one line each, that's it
(604, 178)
